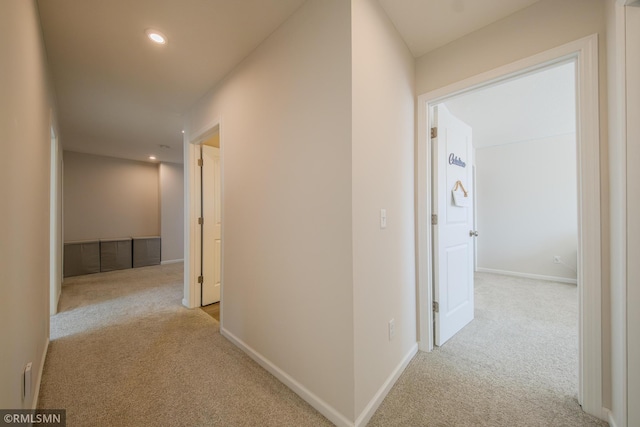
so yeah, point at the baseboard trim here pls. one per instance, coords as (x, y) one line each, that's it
(372, 407)
(610, 418)
(320, 405)
(528, 275)
(171, 261)
(36, 394)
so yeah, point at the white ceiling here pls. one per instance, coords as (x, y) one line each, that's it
(119, 95)
(535, 106)
(428, 24)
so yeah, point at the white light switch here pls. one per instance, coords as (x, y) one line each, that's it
(383, 218)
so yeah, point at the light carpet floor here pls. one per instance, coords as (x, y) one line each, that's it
(514, 365)
(124, 352)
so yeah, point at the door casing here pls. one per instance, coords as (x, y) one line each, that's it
(192, 250)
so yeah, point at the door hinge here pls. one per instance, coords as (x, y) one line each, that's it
(200, 220)
(436, 307)
(434, 219)
(434, 132)
(200, 279)
(200, 162)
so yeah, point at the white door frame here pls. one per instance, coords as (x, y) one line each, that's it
(585, 54)
(191, 143)
(55, 222)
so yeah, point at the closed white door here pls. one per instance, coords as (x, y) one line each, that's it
(453, 233)
(211, 227)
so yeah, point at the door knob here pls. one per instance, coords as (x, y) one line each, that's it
(473, 233)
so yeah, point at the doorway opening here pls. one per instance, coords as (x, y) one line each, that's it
(210, 223)
(519, 137)
(512, 145)
(203, 271)
(583, 53)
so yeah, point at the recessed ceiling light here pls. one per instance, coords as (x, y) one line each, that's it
(152, 157)
(156, 36)
(182, 130)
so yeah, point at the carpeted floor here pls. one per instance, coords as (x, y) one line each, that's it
(515, 364)
(124, 352)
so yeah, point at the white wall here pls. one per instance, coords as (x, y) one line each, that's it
(383, 177)
(540, 27)
(26, 105)
(106, 197)
(633, 213)
(527, 207)
(285, 135)
(172, 211)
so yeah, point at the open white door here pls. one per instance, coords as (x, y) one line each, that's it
(453, 226)
(211, 214)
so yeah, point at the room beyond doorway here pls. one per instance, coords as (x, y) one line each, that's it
(524, 141)
(585, 54)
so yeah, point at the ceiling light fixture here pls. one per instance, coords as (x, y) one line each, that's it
(152, 157)
(156, 36)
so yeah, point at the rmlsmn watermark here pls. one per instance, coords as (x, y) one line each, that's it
(39, 417)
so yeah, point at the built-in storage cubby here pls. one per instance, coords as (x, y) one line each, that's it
(94, 256)
(115, 254)
(146, 251)
(81, 257)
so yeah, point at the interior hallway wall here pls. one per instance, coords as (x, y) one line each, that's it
(539, 27)
(172, 211)
(384, 277)
(106, 197)
(527, 207)
(27, 108)
(285, 130)
(633, 213)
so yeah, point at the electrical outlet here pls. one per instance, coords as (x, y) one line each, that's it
(557, 259)
(392, 329)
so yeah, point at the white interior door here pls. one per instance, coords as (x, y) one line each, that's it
(453, 233)
(211, 238)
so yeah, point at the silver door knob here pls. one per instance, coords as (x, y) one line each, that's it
(473, 233)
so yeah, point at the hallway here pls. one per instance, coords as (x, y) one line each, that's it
(124, 352)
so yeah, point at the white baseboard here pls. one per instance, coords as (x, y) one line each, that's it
(373, 405)
(171, 261)
(610, 418)
(320, 405)
(36, 394)
(528, 275)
